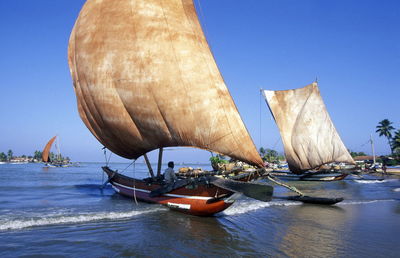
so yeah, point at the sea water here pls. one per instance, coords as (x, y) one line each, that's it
(64, 212)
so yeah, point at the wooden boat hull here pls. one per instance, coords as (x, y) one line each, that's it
(200, 199)
(315, 200)
(393, 170)
(311, 176)
(56, 165)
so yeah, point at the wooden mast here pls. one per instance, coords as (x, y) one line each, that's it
(58, 149)
(160, 153)
(148, 165)
(373, 149)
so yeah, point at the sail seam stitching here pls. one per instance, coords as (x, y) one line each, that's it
(180, 71)
(219, 96)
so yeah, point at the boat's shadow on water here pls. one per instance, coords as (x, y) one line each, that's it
(96, 190)
(397, 207)
(177, 229)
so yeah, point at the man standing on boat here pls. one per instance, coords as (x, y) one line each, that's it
(169, 174)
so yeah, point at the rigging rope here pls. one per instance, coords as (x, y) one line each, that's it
(134, 181)
(109, 157)
(133, 162)
(204, 21)
(276, 142)
(260, 116)
(368, 142)
(107, 161)
(105, 156)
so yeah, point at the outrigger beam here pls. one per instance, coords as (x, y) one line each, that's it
(258, 191)
(149, 166)
(292, 188)
(301, 197)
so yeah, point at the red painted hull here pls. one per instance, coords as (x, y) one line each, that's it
(200, 200)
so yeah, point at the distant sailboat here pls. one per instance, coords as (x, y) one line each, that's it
(308, 134)
(145, 79)
(46, 150)
(58, 161)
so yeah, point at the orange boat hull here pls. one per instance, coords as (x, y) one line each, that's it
(200, 200)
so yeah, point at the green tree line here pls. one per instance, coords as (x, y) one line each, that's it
(36, 155)
(6, 157)
(270, 155)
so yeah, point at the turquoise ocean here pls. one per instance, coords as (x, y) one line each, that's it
(63, 212)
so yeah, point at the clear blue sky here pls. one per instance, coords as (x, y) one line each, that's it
(352, 46)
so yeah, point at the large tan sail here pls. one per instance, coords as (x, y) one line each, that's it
(145, 78)
(46, 150)
(308, 134)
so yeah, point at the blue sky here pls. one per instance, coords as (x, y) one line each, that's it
(353, 47)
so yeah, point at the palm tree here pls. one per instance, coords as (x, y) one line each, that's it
(396, 142)
(385, 128)
(355, 154)
(262, 152)
(3, 157)
(9, 155)
(37, 155)
(271, 155)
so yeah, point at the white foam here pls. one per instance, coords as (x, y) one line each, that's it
(370, 181)
(396, 190)
(247, 206)
(56, 219)
(362, 202)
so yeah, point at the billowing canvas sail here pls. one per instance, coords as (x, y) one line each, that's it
(145, 78)
(308, 134)
(46, 150)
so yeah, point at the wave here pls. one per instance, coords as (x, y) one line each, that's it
(57, 219)
(396, 190)
(247, 206)
(53, 186)
(364, 202)
(371, 181)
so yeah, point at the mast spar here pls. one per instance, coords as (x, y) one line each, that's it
(58, 149)
(372, 148)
